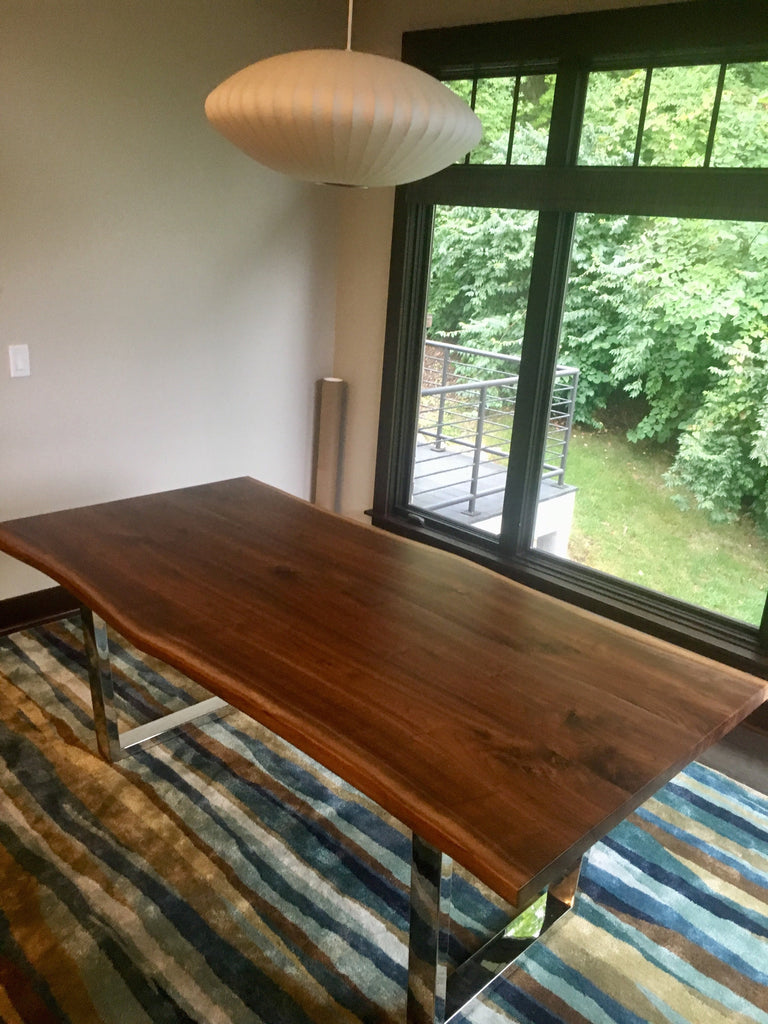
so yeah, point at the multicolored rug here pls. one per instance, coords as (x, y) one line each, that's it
(222, 877)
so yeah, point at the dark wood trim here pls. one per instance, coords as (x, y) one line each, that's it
(35, 609)
(549, 280)
(722, 193)
(691, 33)
(401, 380)
(763, 631)
(758, 720)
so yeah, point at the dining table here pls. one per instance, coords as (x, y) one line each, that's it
(507, 729)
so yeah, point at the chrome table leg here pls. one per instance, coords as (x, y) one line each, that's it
(484, 967)
(430, 931)
(102, 690)
(434, 996)
(113, 744)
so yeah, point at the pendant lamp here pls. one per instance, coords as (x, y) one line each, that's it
(343, 117)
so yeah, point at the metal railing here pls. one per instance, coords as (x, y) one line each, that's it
(467, 407)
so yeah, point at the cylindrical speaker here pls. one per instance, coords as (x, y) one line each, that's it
(330, 411)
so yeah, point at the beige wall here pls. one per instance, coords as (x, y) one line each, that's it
(178, 300)
(366, 223)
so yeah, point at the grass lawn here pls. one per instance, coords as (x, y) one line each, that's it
(627, 524)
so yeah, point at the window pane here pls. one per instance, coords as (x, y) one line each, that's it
(679, 116)
(525, 141)
(665, 481)
(462, 87)
(478, 293)
(611, 117)
(534, 114)
(741, 139)
(493, 105)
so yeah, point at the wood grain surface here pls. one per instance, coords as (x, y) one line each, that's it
(507, 728)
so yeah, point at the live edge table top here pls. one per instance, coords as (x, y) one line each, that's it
(507, 728)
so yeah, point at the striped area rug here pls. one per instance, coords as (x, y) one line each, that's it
(222, 877)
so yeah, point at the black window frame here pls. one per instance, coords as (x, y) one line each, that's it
(693, 32)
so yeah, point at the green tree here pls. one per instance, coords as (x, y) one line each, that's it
(722, 458)
(481, 260)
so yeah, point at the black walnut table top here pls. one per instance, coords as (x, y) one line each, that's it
(507, 728)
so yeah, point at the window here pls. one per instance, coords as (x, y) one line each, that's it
(576, 372)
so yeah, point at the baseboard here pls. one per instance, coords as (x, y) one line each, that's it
(35, 608)
(758, 720)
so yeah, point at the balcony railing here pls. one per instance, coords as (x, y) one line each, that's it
(468, 398)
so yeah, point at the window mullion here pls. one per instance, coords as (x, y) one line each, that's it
(643, 114)
(567, 116)
(549, 277)
(409, 281)
(762, 635)
(513, 119)
(715, 115)
(473, 104)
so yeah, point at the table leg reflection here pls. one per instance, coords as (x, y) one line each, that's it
(434, 995)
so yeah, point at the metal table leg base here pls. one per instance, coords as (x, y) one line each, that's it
(430, 930)
(112, 744)
(482, 968)
(434, 996)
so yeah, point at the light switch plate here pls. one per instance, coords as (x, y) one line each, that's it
(18, 356)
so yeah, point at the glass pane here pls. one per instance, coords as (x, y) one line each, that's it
(611, 117)
(462, 87)
(741, 138)
(493, 105)
(664, 464)
(534, 114)
(480, 274)
(679, 116)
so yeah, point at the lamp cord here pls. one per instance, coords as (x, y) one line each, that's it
(349, 26)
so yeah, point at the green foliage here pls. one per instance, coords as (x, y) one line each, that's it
(722, 455)
(653, 306)
(742, 127)
(494, 105)
(595, 312)
(680, 320)
(669, 314)
(482, 263)
(678, 117)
